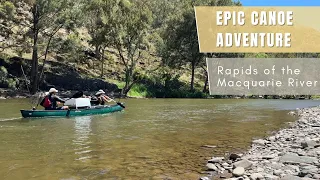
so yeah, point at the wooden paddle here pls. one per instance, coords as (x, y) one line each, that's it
(119, 103)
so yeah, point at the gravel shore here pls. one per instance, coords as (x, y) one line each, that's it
(290, 154)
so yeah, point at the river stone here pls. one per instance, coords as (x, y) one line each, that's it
(211, 166)
(306, 178)
(256, 176)
(308, 170)
(292, 113)
(234, 157)
(259, 169)
(308, 143)
(268, 157)
(275, 165)
(215, 160)
(209, 146)
(289, 172)
(270, 177)
(292, 167)
(225, 164)
(309, 167)
(295, 159)
(239, 171)
(316, 176)
(277, 172)
(259, 142)
(290, 177)
(204, 178)
(272, 138)
(302, 153)
(243, 163)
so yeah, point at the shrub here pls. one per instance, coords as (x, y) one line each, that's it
(12, 83)
(7, 9)
(3, 73)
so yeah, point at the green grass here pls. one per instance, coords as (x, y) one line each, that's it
(120, 84)
(138, 90)
(315, 97)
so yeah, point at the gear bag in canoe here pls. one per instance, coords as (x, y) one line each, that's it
(46, 103)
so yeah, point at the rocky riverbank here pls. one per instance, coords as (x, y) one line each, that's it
(290, 154)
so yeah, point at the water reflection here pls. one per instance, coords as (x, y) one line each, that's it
(82, 127)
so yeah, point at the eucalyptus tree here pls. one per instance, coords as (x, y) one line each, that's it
(48, 17)
(7, 13)
(98, 15)
(128, 30)
(181, 48)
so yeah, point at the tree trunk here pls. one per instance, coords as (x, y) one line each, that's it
(126, 88)
(205, 84)
(34, 68)
(193, 66)
(102, 63)
(102, 67)
(97, 53)
(46, 54)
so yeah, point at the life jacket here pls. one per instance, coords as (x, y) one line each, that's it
(47, 103)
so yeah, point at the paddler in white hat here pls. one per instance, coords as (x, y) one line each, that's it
(51, 100)
(102, 97)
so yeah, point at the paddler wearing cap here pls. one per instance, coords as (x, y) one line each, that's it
(102, 97)
(51, 99)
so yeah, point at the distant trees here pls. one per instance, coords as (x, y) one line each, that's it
(128, 25)
(124, 26)
(97, 19)
(7, 11)
(181, 46)
(37, 23)
(8, 22)
(161, 29)
(128, 35)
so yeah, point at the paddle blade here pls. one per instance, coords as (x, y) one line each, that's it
(120, 104)
(68, 113)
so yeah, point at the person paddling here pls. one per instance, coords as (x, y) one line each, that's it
(51, 100)
(102, 97)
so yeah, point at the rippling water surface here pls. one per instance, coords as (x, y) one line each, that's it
(151, 139)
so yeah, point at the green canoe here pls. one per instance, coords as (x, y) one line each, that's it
(73, 112)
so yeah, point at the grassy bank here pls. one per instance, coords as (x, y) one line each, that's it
(150, 90)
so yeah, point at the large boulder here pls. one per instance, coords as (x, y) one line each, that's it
(292, 158)
(243, 163)
(239, 171)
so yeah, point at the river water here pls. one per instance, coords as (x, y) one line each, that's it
(151, 139)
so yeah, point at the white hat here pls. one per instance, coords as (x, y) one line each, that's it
(100, 92)
(46, 93)
(53, 90)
